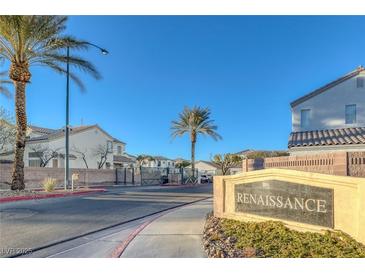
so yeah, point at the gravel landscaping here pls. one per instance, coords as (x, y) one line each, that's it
(225, 238)
(9, 195)
(16, 193)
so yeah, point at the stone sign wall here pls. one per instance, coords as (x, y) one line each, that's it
(302, 200)
(287, 201)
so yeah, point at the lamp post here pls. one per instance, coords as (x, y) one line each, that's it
(67, 128)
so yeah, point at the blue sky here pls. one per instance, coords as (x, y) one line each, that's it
(247, 69)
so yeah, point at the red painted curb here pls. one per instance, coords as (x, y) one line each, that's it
(55, 195)
(118, 251)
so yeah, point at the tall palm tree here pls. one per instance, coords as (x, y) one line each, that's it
(35, 40)
(194, 121)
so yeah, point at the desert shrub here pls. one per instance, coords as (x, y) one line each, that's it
(49, 184)
(225, 238)
(276, 240)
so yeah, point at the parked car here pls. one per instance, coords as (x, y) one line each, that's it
(164, 179)
(210, 177)
(205, 179)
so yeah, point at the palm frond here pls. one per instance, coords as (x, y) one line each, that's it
(194, 121)
(74, 61)
(40, 40)
(61, 70)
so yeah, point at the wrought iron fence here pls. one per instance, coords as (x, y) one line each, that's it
(153, 175)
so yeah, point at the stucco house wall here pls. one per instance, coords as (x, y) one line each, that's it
(160, 162)
(205, 167)
(86, 141)
(328, 108)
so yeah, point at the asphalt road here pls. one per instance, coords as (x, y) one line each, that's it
(27, 225)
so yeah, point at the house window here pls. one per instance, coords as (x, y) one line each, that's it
(119, 149)
(109, 146)
(35, 163)
(360, 82)
(350, 113)
(304, 118)
(55, 163)
(35, 154)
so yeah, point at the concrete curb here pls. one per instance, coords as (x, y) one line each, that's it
(183, 186)
(46, 196)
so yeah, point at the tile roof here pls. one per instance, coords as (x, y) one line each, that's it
(123, 159)
(52, 133)
(161, 158)
(42, 130)
(328, 86)
(328, 137)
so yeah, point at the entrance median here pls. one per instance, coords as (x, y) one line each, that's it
(36, 195)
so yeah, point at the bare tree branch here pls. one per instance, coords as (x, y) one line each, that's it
(226, 161)
(82, 154)
(7, 131)
(102, 152)
(44, 153)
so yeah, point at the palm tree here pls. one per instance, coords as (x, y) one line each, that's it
(35, 40)
(194, 121)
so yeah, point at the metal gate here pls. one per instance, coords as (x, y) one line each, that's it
(125, 176)
(153, 175)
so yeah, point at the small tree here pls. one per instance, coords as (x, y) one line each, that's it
(82, 154)
(3, 84)
(226, 162)
(182, 164)
(101, 152)
(7, 131)
(44, 153)
(143, 158)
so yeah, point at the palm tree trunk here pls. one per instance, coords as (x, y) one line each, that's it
(21, 128)
(193, 158)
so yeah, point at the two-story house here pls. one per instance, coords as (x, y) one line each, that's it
(90, 147)
(331, 118)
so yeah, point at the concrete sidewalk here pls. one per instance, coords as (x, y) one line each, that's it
(177, 234)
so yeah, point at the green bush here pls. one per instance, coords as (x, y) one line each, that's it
(274, 239)
(266, 154)
(49, 184)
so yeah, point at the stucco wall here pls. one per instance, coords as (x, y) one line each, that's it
(328, 108)
(205, 168)
(35, 175)
(85, 141)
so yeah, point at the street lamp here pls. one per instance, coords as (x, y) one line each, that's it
(67, 128)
